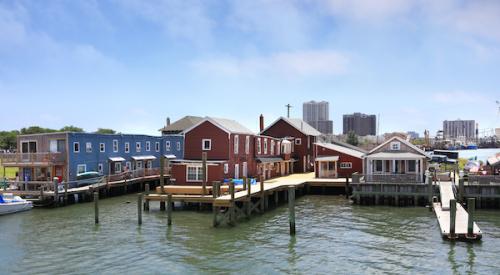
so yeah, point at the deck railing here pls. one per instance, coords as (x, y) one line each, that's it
(390, 178)
(484, 179)
(27, 158)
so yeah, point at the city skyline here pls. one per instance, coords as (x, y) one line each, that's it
(134, 63)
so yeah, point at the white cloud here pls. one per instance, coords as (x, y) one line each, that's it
(369, 10)
(298, 63)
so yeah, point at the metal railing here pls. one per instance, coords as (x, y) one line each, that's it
(26, 158)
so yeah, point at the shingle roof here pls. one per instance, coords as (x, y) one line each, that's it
(182, 124)
(342, 149)
(231, 125)
(298, 124)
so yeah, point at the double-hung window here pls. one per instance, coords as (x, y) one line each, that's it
(115, 146)
(206, 144)
(102, 147)
(127, 147)
(194, 173)
(138, 147)
(236, 144)
(88, 147)
(148, 146)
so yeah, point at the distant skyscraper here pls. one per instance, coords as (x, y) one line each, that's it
(360, 124)
(413, 135)
(317, 115)
(459, 129)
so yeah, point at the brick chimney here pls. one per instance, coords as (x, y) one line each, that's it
(168, 121)
(261, 120)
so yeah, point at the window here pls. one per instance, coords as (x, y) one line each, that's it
(378, 166)
(298, 141)
(88, 147)
(178, 145)
(346, 165)
(102, 147)
(118, 167)
(272, 147)
(138, 147)
(308, 142)
(81, 168)
(100, 168)
(265, 146)
(76, 147)
(167, 145)
(236, 144)
(258, 146)
(206, 144)
(148, 146)
(395, 146)
(115, 146)
(128, 165)
(127, 147)
(247, 145)
(157, 147)
(226, 168)
(194, 173)
(149, 164)
(29, 147)
(411, 165)
(278, 148)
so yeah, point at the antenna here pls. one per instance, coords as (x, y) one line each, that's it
(378, 126)
(288, 107)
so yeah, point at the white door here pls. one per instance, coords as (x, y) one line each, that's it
(236, 171)
(139, 164)
(245, 168)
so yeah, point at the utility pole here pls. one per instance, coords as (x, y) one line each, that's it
(288, 107)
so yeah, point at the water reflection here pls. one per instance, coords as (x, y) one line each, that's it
(471, 257)
(452, 259)
(292, 254)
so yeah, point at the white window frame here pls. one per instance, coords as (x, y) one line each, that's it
(118, 167)
(115, 146)
(88, 147)
(259, 146)
(346, 165)
(127, 147)
(272, 147)
(157, 146)
(247, 145)
(78, 168)
(100, 168)
(278, 148)
(138, 147)
(395, 146)
(78, 145)
(226, 168)
(198, 173)
(236, 143)
(265, 146)
(102, 147)
(178, 145)
(298, 141)
(167, 145)
(209, 144)
(148, 146)
(128, 164)
(375, 166)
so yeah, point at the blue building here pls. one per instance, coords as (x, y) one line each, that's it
(65, 155)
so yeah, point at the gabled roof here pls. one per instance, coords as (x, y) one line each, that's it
(345, 144)
(182, 124)
(342, 149)
(298, 124)
(228, 125)
(407, 143)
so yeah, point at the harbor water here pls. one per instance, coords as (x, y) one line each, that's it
(333, 236)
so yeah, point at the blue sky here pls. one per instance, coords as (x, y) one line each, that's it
(128, 64)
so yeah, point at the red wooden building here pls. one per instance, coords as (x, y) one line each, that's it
(337, 160)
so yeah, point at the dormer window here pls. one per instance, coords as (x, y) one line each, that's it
(395, 146)
(206, 144)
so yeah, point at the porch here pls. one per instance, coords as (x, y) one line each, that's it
(391, 167)
(326, 167)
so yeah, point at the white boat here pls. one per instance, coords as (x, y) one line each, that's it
(12, 204)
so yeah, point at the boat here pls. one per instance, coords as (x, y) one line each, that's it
(12, 204)
(471, 146)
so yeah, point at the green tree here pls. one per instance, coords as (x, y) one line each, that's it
(105, 131)
(71, 128)
(8, 139)
(36, 130)
(352, 138)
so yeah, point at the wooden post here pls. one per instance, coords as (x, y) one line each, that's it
(215, 210)
(244, 183)
(461, 190)
(169, 209)
(204, 170)
(146, 200)
(346, 189)
(249, 187)
(139, 208)
(291, 209)
(162, 173)
(428, 178)
(453, 217)
(262, 194)
(471, 208)
(55, 180)
(65, 192)
(276, 198)
(41, 193)
(96, 207)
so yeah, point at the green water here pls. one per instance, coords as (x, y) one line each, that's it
(333, 236)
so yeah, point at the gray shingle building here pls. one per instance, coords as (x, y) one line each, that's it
(459, 129)
(317, 115)
(360, 124)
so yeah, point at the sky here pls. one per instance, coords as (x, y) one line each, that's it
(130, 64)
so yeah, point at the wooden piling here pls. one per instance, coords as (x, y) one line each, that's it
(215, 209)
(65, 192)
(276, 198)
(139, 208)
(55, 180)
(461, 189)
(453, 217)
(291, 209)
(146, 201)
(169, 209)
(429, 190)
(232, 210)
(204, 170)
(262, 194)
(162, 173)
(249, 187)
(96, 207)
(471, 209)
(346, 188)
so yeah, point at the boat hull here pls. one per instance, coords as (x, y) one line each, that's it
(14, 207)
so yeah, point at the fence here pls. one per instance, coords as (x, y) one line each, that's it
(391, 178)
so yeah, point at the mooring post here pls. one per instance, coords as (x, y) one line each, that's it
(96, 207)
(162, 173)
(346, 188)
(146, 200)
(461, 190)
(41, 193)
(244, 183)
(291, 209)
(429, 189)
(276, 198)
(55, 180)
(453, 217)
(204, 170)
(65, 192)
(232, 210)
(214, 208)
(169, 209)
(471, 208)
(139, 208)
(249, 187)
(262, 195)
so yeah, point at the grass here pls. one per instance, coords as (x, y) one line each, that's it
(10, 172)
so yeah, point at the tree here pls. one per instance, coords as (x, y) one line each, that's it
(8, 139)
(36, 130)
(105, 131)
(352, 138)
(71, 128)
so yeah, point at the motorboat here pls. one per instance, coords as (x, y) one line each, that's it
(11, 204)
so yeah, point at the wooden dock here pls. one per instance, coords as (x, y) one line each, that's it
(454, 221)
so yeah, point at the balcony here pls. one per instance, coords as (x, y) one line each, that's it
(32, 159)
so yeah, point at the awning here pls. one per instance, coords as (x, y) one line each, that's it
(330, 158)
(116, 159)
(269, 160)
(143, 157)
(170, 156)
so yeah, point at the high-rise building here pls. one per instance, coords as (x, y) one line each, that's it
(459, 129)
(413, 134)
(360, 124)
(317, 115)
